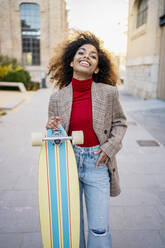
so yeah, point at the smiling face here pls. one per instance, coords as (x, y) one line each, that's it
(85, 62)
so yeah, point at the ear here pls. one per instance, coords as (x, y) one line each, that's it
(97, 70)
(71, 64)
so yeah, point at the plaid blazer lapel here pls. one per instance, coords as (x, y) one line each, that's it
(94, 104)
(66, 105)
(98, 110)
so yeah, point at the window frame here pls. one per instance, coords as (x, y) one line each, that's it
(30, 33)
(142, 12)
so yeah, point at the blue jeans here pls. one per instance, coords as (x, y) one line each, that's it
(95, 183)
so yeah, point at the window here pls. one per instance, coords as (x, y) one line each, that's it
(142, 13)
(162, 18)
(30, 27)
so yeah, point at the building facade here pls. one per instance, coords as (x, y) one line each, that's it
(145, 61)
(30, 29)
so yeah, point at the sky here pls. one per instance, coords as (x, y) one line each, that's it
(105, 18)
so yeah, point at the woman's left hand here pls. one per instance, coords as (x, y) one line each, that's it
(103, 159)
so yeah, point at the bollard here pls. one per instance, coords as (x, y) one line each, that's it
(43, 80)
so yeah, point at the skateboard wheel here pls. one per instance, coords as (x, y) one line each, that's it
(78, 137)
(37, 139)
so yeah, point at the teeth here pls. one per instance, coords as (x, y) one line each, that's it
(84, 63)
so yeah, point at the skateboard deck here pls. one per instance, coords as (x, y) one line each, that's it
(59, 202)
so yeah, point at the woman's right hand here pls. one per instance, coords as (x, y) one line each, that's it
(53, 122)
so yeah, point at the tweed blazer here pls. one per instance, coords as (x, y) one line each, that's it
(109, 121)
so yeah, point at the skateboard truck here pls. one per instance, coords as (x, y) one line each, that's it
(57, 138)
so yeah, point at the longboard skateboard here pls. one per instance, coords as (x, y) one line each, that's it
(59, 203)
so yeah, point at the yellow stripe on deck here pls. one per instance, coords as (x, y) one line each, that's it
(44, 207)
(74, 196)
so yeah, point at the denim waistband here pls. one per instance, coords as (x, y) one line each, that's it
(86, 149)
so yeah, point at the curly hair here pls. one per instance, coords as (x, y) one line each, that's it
(59, 67)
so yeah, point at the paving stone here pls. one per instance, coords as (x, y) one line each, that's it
(137, 197)
(136, 239)
(152, 120)
(27, 182)
(161, 209)
(161, 195)
(4, 184)
(18, 198)
(136, 218)
(138, 167)
(162, 235)
(19, 219)
(11, 240)
(32, 240)
(138, 181)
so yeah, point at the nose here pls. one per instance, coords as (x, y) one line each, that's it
(86, 55)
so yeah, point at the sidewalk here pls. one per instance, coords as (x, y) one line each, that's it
(137, 215)
(19, 217)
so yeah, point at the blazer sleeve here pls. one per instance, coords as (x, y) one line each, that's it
(53, 106)
(118, 129)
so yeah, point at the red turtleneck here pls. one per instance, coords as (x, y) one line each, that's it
(81, 114)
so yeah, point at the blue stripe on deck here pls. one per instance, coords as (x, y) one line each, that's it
(53, 192)
(64, 193)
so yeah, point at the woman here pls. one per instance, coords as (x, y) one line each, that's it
(87, 100)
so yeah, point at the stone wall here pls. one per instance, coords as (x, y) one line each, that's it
(143, 51)
(142, 76)
(53, 23)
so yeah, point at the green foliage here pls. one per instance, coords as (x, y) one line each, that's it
(22, 76)
(6, 60)
(12, 71)
(8, 64)
(19, 76)
(3, 113)
(5, 69)
(35, 85)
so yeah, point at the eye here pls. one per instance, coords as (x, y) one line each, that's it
(93, 56)
(81, 53)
